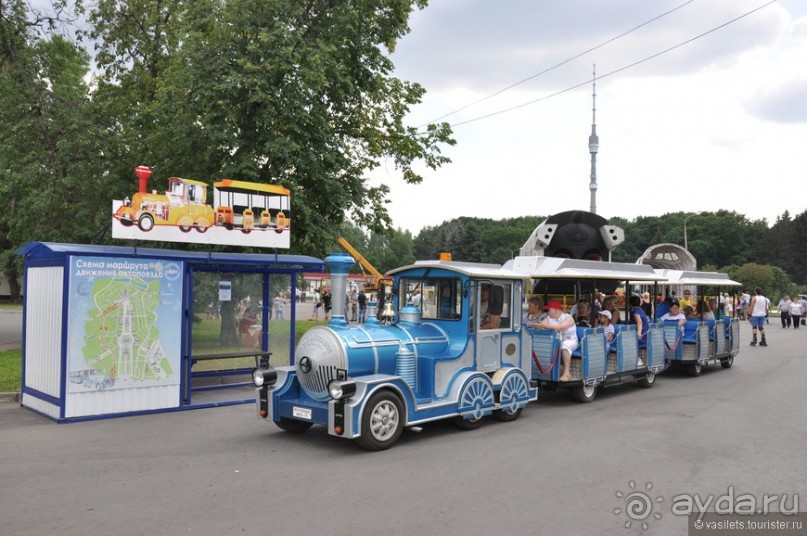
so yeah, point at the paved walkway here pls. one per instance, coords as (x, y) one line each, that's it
(10, 328)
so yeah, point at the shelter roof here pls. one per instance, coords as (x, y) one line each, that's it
(50, 251)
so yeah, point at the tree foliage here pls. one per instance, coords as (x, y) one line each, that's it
(294, 93)
(50, 146)
(287, 92)
(720, 241)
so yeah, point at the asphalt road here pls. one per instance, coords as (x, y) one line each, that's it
(563, 468)
(10, 328)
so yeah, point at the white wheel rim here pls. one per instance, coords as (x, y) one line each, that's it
(384, 420)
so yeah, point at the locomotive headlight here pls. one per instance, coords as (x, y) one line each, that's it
(261, 377)
(339, 389)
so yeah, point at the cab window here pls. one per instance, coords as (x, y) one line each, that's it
(437, 298)
(495, 305)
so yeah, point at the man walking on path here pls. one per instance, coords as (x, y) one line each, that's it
(758, 309)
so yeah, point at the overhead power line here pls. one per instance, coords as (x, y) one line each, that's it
(564, 62)
(615, 71)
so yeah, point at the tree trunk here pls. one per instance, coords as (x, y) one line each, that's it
(228, 335)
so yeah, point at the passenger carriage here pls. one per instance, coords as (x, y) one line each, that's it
(432, 355)
(701, 341)
(595, 363)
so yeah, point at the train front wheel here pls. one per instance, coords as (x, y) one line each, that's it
(382, 422)
(727, 362)
(694, 369)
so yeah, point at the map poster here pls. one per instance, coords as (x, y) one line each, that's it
(125, 323)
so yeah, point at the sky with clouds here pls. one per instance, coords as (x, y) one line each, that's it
(718, 121)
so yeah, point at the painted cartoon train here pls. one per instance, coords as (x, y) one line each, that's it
(239, 205)
(452, 345)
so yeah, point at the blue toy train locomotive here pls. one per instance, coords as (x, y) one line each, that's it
(426, 362)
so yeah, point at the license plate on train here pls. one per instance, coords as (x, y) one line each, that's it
(301, 413)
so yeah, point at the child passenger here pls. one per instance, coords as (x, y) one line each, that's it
(605, 323)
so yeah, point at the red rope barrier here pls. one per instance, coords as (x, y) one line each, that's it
(551, 365)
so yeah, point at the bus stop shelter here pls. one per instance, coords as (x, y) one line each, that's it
(108, 331)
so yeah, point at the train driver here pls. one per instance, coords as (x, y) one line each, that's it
(490, 309)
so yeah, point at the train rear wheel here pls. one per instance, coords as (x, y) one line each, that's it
(467, 424)
(504, 415)
(585, 393)
(727, 362)
(146, 223)
(694, 369)
(382, 421)
(290, 425)
(648, 380)
(185, 228)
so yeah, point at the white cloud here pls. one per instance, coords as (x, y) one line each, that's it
(718, 123)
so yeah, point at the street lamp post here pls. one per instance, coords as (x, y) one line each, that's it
(686, 244)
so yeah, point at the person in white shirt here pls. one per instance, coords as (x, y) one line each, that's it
(796, 313)
(675, 314)
(605, 324)
(557, 320)
(758, 309)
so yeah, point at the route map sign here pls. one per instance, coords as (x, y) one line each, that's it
(124, 324)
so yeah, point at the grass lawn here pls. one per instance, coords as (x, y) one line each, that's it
(10, 370)
(205, 341)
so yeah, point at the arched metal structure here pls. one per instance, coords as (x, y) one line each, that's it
(668, 256)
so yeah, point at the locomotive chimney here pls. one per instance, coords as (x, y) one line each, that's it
(143, 174)
(338, 264)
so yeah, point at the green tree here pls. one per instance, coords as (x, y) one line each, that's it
(50, 146)
(799, 270)
(294, 93)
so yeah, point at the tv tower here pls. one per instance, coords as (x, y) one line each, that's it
(593, 142)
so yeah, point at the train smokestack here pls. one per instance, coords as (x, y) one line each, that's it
(338, 264)
(143, 174)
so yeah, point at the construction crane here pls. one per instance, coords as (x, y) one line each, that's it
(374, 281)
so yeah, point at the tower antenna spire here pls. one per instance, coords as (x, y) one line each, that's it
(593, 142)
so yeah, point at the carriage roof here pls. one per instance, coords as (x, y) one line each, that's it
(562, 268)
(683, 277)
(470, 269)
(229, 185)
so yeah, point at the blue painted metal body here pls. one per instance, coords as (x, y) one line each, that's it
(595, 360)
(439, 367)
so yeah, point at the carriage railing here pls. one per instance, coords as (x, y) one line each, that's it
(546, 359)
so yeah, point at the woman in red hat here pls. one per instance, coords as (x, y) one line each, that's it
(559, 321)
